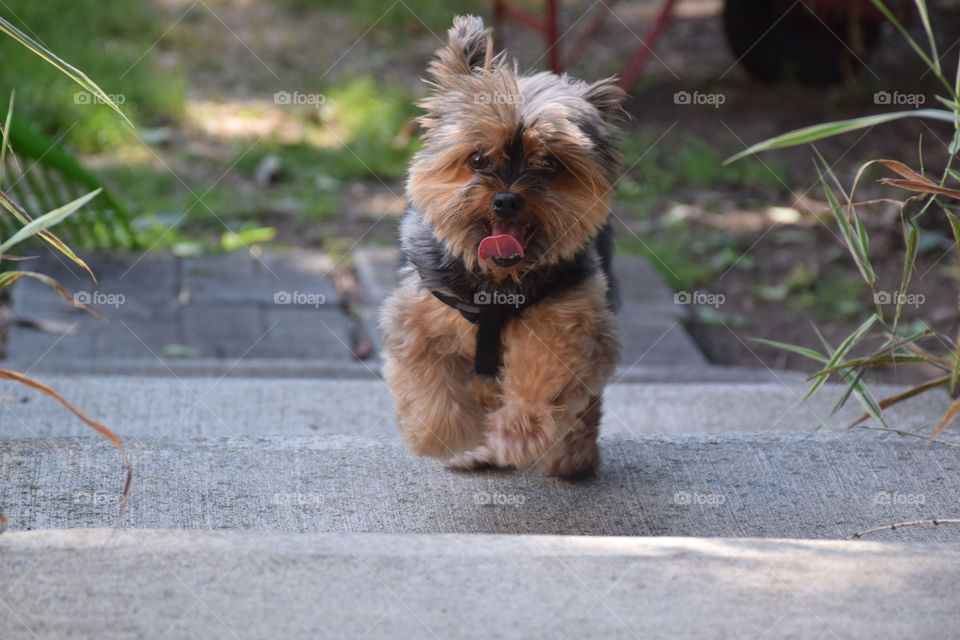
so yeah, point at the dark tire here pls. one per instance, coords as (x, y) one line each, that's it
(777, 43)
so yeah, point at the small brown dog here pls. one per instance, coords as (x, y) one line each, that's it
(501, 336)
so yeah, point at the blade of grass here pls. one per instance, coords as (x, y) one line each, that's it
(872, 362)
(934, 66)
(948, 417)
(921, 187)
(912, 241)
(829, 129)
(803, 351)
(854, 243)
(46, 235)
(842, 350)
(886, 403)
(853, 384)
(5, 144)
(7, 278)
(75, 74)
(47, 220)
(96, 426)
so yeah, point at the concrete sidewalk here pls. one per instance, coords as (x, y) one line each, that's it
(174, 584)
(173, 407)
(274, 306)
(783, 485)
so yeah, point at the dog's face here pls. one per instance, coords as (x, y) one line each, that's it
(516, 171)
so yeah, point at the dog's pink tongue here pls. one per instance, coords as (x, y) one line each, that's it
(502, 246)
(503, 243)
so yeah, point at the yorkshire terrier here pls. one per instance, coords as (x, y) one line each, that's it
(501, 335)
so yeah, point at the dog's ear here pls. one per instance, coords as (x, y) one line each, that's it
(468, 47)
(608, 98)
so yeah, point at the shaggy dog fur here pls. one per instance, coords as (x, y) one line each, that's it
(507, 216)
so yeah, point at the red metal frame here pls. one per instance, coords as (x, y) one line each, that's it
(549, 28)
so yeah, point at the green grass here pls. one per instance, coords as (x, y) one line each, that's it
(362, 122)
(675, 253)
(105, 38)
(660, 172)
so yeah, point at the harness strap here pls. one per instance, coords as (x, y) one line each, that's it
(489, 319)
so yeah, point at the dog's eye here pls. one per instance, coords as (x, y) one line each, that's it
(478, 161)
(548, 165)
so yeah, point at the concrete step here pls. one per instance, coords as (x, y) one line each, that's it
(790, 485)
(176, 584)
(254, 367)
(168, 407)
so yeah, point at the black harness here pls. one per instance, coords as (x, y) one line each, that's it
(490, 318)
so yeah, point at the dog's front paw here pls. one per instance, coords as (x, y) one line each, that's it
(520, 436)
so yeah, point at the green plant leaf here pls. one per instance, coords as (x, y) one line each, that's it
(47, 220)
(7, 278)
(910, 393)
(933, 64)
(842, 350)
(829, 129)
(75, 74)
(5, 143)
(855, 242)
(803, 351)
(46, 235)
(912, 240)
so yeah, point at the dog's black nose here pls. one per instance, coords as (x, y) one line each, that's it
(506, 204)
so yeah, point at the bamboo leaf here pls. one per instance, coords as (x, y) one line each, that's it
(7, 278)
(803, 351)
(5, 144)
(872, 362)
(934, 66)
(829, 129)
(912, 241)
(75, 74)
(46, 235)
(948, 417)
(886, 403)
(922, 187)
(925, 19)
(853, 242)
(96, 426)
(47, 220)
(854, 383)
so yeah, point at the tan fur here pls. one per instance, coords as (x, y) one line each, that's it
(544, 407)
